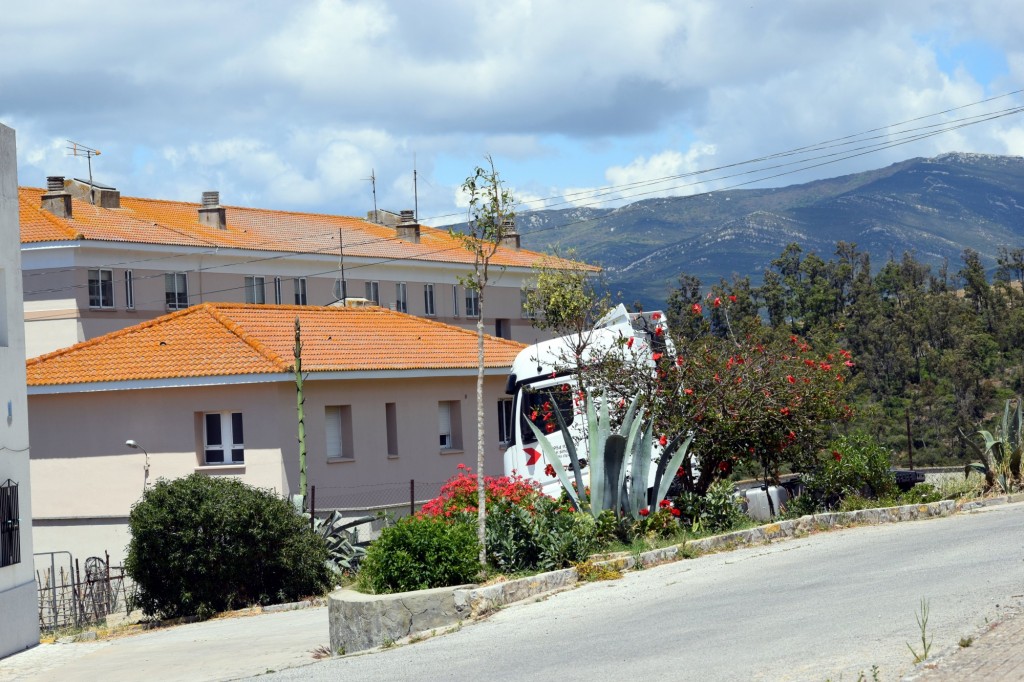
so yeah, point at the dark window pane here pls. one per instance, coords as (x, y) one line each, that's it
(238, 455)
(214, 456)
(213, 436)
(236, 428)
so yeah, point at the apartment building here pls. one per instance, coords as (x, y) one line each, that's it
(94, 261)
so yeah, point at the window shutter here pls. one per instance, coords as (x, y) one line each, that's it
(332, 419)
(444, 419)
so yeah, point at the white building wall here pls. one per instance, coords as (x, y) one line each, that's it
(19, 624)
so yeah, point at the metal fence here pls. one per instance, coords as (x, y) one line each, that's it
(396, 498)
(72, 595)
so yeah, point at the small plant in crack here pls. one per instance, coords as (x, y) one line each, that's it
(922, 623)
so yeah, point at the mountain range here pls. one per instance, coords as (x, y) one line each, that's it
(933, 208)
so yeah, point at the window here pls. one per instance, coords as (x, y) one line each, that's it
(10, 524)
(401, 301)
(101, 288)
(255, 290)
(505, 421)
(373, 292)
(176, 288)
(338, 431)
(340, 289)
(222, 438)
(526, 312)
(428, 299)
(503, 329)
(449, 418)
(391, 422)
(472, 303)
(300, 291)
(537, 407)
(455, 300)
(278, 298)
(129, 290)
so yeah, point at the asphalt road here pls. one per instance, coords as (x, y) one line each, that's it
(817, 608)
(824, 607)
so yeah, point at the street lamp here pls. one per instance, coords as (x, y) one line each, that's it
(145, 472)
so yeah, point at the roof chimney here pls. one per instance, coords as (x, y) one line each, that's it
(408, 230)
(95, 193)
(57, 200)
(211, 213)
(509, 236)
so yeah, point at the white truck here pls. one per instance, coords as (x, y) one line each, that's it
(543, 378)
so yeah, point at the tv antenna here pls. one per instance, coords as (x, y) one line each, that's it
(79, 149)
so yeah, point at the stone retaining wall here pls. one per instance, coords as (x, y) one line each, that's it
(363, 621)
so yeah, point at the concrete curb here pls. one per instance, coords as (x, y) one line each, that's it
(363, 621)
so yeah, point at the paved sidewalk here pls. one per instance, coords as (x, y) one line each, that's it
(221, 649)
(995, 655)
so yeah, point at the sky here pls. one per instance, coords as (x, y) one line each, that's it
(294, 104)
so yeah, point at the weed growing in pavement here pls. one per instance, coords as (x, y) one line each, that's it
(966, 642)
(922, 623)
(589, 571)
(387, 643)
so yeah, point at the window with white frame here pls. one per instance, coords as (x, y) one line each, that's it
(472, 303)
(401, 298)
(338, 432)
(255, 290)
(300, 291)
(129, 290)
(373, 292)
(101, 288)
(176, 289)
(455, 300)
(449, 419)
(428, 299)
(278, 297)
(223, 440)
(505, 421)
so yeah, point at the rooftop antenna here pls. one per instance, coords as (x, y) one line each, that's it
(373, 184)
(415, 191)
(79, 149)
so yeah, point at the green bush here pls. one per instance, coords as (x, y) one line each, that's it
(851, 465)
(421, 552)
(714, 512)
(203, 544)
(544, 537)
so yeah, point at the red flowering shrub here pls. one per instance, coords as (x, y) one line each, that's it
(459, 494)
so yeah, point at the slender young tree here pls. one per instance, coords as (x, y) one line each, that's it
(491, 215)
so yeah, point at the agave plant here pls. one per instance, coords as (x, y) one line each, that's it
(344, 550)
(1000, 459)
(620, 462)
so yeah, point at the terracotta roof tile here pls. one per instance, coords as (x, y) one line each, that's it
(155, 221)
(223, 339)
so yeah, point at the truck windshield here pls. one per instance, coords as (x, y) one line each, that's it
(538, 405)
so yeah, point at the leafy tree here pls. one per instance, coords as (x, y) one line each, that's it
(491, 218)
(203, 544)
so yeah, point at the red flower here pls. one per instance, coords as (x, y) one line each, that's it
(784, 411)
(665, 504)
(676, 512)
(549, 428)
(644, 512)
(549, 470)
(656, 357)
(836, 456)
(662, 440)
(839, 378)
(723, 466)
(790, 379)
(825, 366)
(629, 342)
(655, 316)
(688, 391)
(697, 310)
(658, 331)
(717, 302)
(848, 363)
(732, 298)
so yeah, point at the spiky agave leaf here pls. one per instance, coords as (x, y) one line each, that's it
(640, 453)
(669, 464)
(552, 458)
(570, 448)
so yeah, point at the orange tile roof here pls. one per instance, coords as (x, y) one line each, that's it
(224, 339)
(176, 223)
